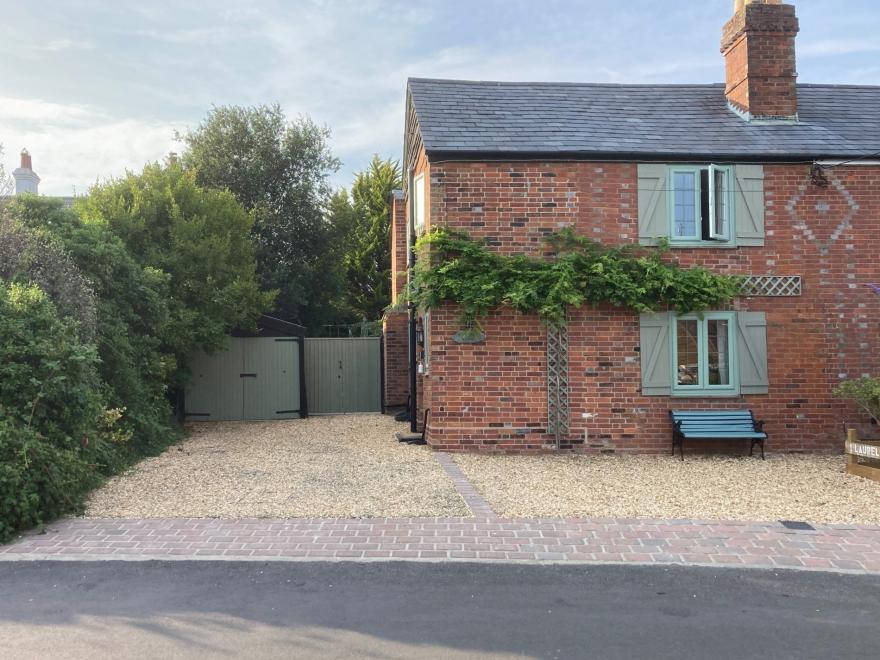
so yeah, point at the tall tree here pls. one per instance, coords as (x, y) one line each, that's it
(279, 170)
(197, 238)
(365, 222)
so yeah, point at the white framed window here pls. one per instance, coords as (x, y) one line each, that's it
(703, 353)
(419, 204)
(700, 204)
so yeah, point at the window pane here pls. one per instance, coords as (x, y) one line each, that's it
(419, 203)
(719, 351)
(687, 354)
(720, 226)
(685, 208)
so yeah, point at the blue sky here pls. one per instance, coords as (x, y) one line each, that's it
(94, 88)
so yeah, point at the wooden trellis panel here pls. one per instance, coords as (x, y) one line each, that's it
(558, 417)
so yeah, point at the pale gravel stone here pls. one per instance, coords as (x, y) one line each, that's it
(347, 466)
(784, 487)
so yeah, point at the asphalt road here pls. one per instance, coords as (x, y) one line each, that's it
(417, 610)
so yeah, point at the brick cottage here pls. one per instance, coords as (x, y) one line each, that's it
(758, 176)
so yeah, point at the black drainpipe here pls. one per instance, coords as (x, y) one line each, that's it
(413, 358)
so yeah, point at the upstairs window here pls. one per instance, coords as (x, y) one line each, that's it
(419, 204)
(700, 203)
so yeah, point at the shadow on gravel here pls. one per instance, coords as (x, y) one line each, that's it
(74, 609)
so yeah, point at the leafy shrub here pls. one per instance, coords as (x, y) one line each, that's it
(29, 257)
(50, 410)
(196, 238)
(864, 392)
(38, 480)
(131, 312)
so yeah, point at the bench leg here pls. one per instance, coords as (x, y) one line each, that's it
(752, 448)
(681, 448)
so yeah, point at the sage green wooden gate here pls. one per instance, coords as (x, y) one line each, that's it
(254, 378)
(343, 374)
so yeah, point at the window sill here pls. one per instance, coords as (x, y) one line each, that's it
(723, 245)
(706, 394)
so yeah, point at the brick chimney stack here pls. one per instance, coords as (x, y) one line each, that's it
(26, 180)
(759, 58)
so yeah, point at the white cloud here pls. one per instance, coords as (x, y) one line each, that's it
(68, 44)
(38, 111)
(73, 146)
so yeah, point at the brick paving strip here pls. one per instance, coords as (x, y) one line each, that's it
(476, 502)
(709, 543)
(484, 537)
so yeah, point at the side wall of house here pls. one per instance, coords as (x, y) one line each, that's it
(492, 396)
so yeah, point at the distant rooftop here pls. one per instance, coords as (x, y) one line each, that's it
(459, 118)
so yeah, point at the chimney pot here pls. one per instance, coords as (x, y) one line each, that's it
(26, 163)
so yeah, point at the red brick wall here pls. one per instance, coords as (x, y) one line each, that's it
(394, 329)
(492, 396)
(398, 245)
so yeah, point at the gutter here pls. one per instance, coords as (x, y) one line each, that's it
(437, 156)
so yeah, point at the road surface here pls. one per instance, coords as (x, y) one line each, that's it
(418, 610)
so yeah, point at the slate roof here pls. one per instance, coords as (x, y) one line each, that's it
(459, 118)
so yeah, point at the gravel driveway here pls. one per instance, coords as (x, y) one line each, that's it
(344, 465)
(784, 487)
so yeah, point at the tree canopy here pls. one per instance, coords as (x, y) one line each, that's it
(365, 222)
(278, 170)
(199, 240)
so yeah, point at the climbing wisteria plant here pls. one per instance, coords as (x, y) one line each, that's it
(575, 271)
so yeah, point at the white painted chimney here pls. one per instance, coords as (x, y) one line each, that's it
(26, 180)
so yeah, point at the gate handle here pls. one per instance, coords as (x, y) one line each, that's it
(247, 375)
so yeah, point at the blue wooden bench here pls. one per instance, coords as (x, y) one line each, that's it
(716, 425)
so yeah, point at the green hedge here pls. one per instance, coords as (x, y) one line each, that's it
(51, 411)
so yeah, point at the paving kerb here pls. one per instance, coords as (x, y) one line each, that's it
(485, 537)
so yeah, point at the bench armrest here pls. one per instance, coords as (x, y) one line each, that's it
(759, 425)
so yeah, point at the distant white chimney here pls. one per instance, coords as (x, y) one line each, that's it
(26, 180)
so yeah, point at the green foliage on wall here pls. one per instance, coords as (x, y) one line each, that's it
(575, 271)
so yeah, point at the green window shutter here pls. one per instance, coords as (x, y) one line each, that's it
(655, 348)
(748, 204)
(751, 347)
(653, 209)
